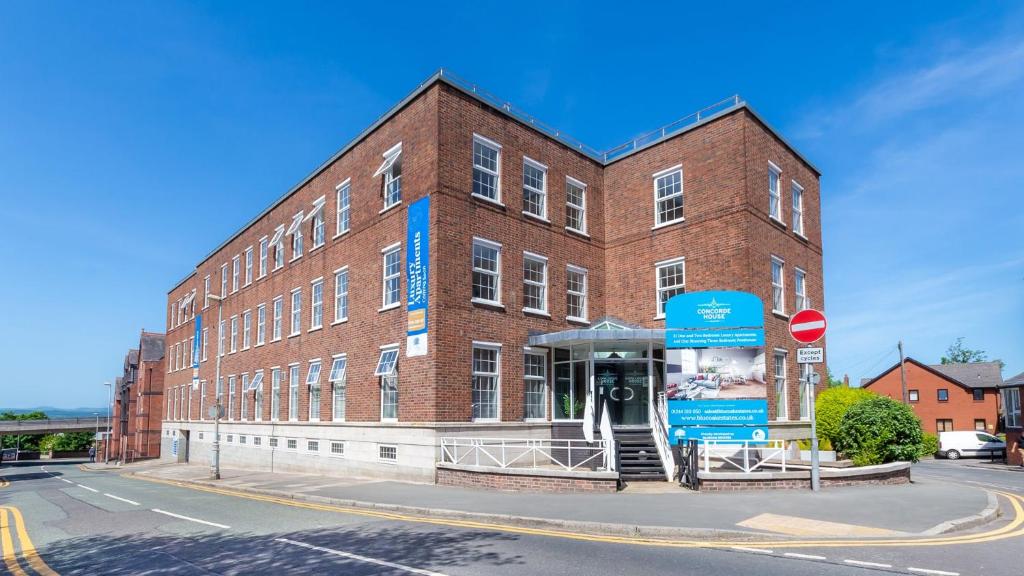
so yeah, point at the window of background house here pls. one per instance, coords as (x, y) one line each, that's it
(943, 395)
(944, 425)
(978, 394)
(913, 395)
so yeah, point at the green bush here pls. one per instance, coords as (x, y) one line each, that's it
(830, 407)
(930, 445)
(66, 441)
(879, 430)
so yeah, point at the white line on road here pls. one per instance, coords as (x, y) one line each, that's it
(189, 518)
(132, 502)
(933, 572)
(409, 569)
(804, 556)
(65, 480)
(754, 550)
(867, 564)
(87, 488)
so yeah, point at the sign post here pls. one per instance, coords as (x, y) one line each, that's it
(808, 326)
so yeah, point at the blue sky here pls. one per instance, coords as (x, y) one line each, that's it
(134, 138)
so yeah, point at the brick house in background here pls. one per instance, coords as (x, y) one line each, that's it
(1013, 390)
(946, 396)
(549, 262)
(138, 402)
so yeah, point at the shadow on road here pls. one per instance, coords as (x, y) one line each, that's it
(240, 554)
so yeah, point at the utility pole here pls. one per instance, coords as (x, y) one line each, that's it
(903, 372)
(110, 400)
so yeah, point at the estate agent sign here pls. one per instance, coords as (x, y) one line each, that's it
(417, 276)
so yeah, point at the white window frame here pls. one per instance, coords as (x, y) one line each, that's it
(316, 304)
(543, 380)
(659, 289)
(294, 375)
(805, 392)
(261, 324)
(276, 376)
(223, 280)
(318, 228)
(542, 192)
(222, 335)
(248, 265)
(337, 378)
(243, 404)
(389, 374)
(781, 405)
(264, 255)
(236, 271)
(496, 376)
(483, 242)
(479, 140)
(798, 208)
(206, 292)
(339, 453)
(278, 247)
(392, 157)
(775, 194)
(571, 269)
(343, 207)
(1012, 407)
(581, 207)
(277, 322)
(232, 384)
(385, 277)
(537, 258)
(381, 448)
(341, 288)
(779, 264)
(295, 313)
(206, 334)
(800, 289)
(657, 177)
(257, 403)
(313, 383)
(246, 329)
(234, 335)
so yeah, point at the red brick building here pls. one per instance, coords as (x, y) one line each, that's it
(946, 396)
(1013, 390)
(138, 402)
(545, 257)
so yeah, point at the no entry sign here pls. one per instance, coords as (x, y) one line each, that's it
(806, 326)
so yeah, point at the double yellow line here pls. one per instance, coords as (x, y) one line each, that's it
(28, 549)
(1012, 529)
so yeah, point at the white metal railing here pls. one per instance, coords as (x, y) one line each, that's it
(529, 453)
(608, 436)
(745, 456)
(659, 429)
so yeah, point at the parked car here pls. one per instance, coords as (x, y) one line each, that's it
(953, 445)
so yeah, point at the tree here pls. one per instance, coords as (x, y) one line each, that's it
(26, 442)
(957, 353)
(830, 407)
(832, 382)
(879, 430)
(66, 442)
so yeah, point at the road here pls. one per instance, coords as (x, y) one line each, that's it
(81, 522)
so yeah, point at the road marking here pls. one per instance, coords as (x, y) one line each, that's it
(366, 559)
(754, 550)
(808, 527)
(804, 556)
(933, 572)
(28, 549)
(867, 564)
(4, 483)
(65, 480)
(1012, 529)
(7, 546)
(190, 519)
(132, 502)
(87, 488)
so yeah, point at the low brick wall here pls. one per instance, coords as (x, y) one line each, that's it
(525, 480)
(886, 474)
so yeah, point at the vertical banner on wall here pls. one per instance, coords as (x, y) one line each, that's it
(417, 276)
(196, 343)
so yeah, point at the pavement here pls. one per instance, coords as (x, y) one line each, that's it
(650, 508)
(67, 519)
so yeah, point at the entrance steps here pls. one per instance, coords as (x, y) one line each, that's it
(638, 455)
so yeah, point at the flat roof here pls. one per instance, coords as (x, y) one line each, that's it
(604, 158)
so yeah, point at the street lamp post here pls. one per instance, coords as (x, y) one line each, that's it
(215, 463)
(110, 400)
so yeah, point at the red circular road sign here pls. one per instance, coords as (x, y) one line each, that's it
(806, 326)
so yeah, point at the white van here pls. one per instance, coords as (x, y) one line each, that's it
(953, 445)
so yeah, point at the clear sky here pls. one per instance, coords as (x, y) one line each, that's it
(136, 137)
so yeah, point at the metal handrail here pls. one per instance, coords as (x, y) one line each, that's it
(608, 436)
(766, 452)
(659, 429)
(527, 453)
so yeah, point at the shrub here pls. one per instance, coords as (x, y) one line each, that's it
(879, 430)
(830, 407)
(929, 445)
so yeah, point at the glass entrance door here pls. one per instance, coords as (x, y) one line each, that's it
(622, 385)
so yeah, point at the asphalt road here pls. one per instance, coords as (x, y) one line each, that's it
(102, 523)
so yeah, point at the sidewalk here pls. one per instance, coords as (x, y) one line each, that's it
(925, 507)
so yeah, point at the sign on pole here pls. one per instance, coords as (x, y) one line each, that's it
(807, 326)
(810, 355)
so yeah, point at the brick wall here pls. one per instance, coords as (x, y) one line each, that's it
(886, 478)
(523, 482)
(961, 407)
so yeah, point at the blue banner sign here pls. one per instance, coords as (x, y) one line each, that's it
(197, 341)
(714, 310)
(717, 412)
(720, 433)
(750, 337)
(417, 276)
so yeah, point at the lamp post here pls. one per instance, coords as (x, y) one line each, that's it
(110, 400)
(215, 463)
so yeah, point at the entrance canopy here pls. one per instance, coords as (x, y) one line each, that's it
(602, 331)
